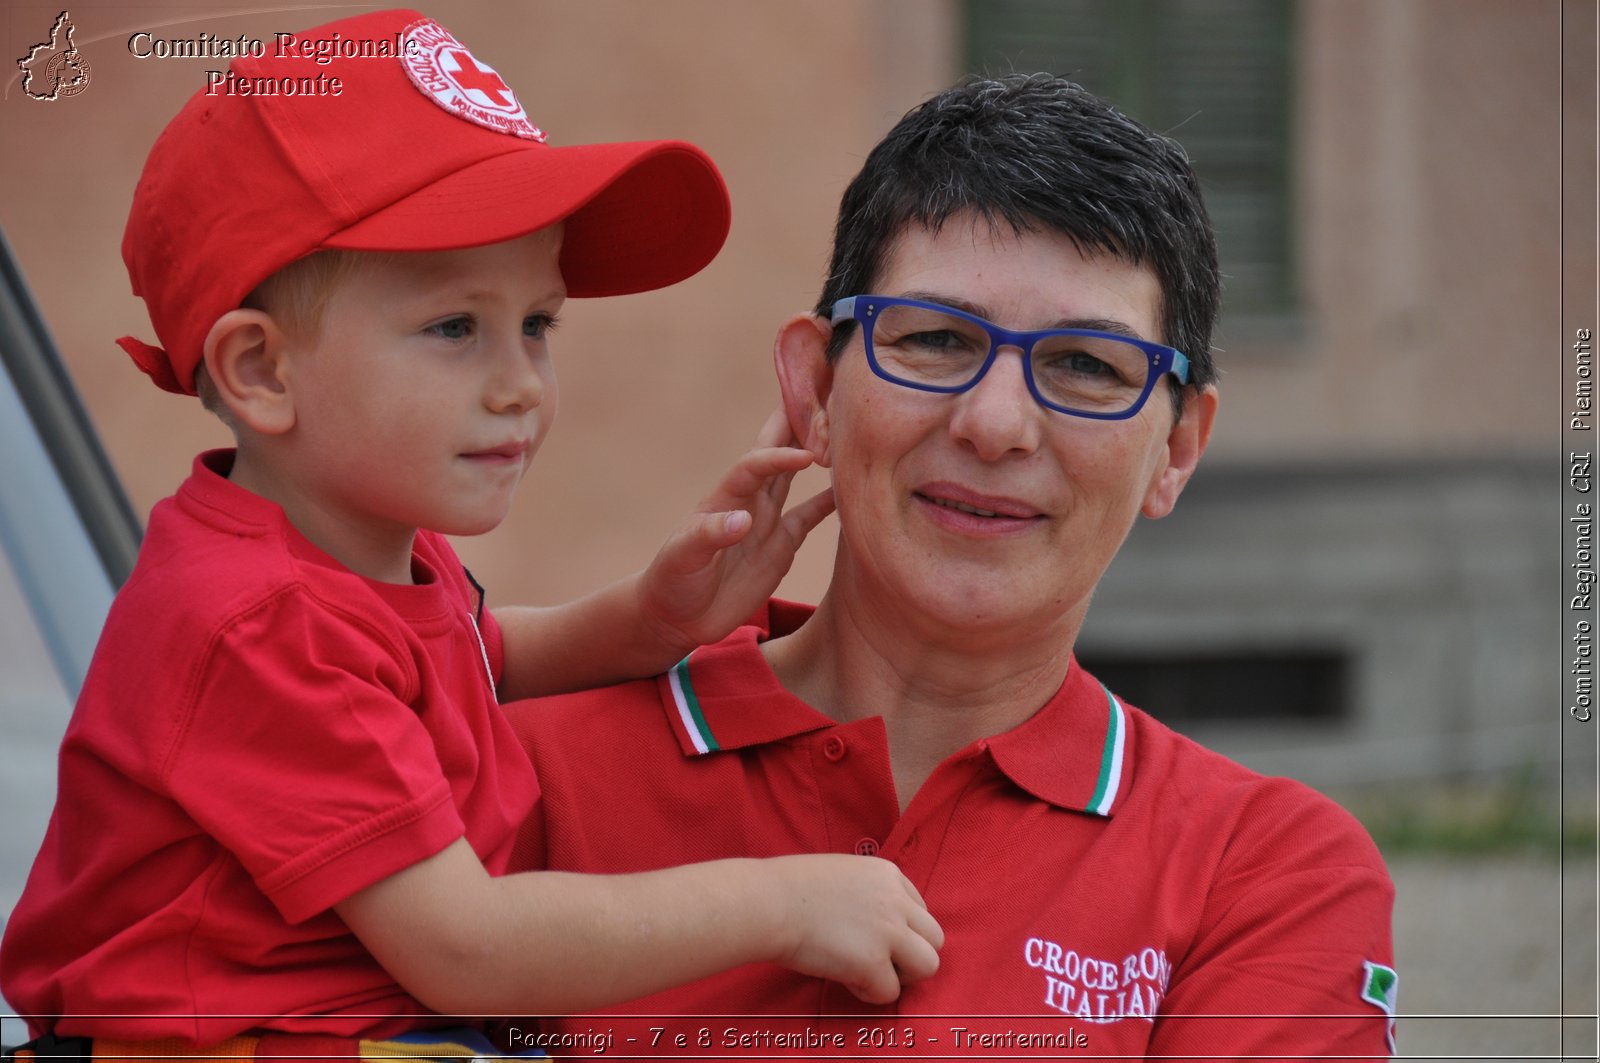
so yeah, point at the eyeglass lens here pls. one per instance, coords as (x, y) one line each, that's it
(1091, 374)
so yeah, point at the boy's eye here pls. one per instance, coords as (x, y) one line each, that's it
(534, 326)
(455, 328)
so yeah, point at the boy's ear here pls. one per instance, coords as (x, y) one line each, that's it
(1185, 443)
(245, 356)
(805, 377)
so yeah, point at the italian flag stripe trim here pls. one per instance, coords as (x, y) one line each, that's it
(1110, 781)
(694, 722)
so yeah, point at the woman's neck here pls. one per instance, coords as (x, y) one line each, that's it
(937, 689)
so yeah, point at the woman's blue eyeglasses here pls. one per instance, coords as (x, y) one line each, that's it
(1081, 372)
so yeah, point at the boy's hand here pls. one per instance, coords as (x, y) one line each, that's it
(551, 942)
(855, 920)
(728, 557)
(716, 570)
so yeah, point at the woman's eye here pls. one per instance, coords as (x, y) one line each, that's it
(938, 341)
(455, 328)
(1074, 363)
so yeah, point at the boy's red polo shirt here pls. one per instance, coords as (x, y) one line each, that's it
(1106, 886)
(262, 734)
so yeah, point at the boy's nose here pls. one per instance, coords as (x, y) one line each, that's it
(517, 384)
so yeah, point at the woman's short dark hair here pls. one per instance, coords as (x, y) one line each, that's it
(1035, 152)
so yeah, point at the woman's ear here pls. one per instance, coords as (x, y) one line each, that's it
(1185, 443)
(246, 359)
(805, 377)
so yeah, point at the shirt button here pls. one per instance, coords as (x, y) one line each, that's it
(866, 847)
(833, 748)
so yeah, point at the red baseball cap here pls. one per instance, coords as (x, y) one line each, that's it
(384, 133)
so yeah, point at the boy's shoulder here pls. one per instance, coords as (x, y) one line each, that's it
(214, 552)
(210, 544)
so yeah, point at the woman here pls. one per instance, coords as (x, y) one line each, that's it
(993, 376)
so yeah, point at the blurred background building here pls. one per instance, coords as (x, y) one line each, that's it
(1362, 587)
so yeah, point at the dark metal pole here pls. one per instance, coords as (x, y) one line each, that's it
(34, 364)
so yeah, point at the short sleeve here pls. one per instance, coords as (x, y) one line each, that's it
(1294, 955)
(300, 753)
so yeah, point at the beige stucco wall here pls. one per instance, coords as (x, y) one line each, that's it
(1428, 162)
(1427, 154)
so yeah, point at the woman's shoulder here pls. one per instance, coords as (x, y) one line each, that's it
(1198, 785)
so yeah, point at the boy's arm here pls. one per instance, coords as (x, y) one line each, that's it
(550, 942)
(713, 573)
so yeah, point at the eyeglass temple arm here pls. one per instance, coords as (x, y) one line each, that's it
(1180, 366)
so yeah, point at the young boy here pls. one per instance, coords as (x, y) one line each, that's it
(287, 789)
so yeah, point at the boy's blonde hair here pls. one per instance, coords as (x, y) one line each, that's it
(295, 298)
(296, 295)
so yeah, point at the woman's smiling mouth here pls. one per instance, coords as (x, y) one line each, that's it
(960, 509)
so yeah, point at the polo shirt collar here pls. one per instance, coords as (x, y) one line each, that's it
(725, 696)
(1076, 752)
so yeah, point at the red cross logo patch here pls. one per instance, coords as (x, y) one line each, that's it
(449, 75)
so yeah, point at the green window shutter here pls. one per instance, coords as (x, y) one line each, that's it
(1214, 74)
